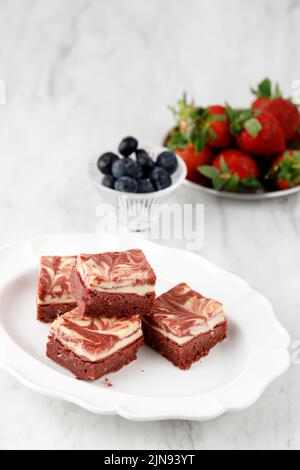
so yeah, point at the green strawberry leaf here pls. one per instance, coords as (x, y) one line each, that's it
(295, 157)
(232, 116)
(209, 171)
(277, 93)
(285, 172)
(265, 90)
(230, 111)
(223, 166)
(232, 183)
(212, 135)
(183, 110)
(254, 127)
(239, 118)
(199, 113)
(177, 141)
(251, 184)
(219, 117)
(201, 139)
(219, 183)
(247, 114)
(288, 169)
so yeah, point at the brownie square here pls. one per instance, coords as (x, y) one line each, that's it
(54, 287)
(184, 326)
(113, 284)
(93, 347)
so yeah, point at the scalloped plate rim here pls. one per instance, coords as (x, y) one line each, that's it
(119, 403)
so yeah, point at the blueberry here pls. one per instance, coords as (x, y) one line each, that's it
(145, 161)
(168, 161)
(126, 184)
(160, 178)
(106, 161)
(145, 186)
(134, 169)
(127, 167)
(108, 181)
(119, 169)
(128, 146)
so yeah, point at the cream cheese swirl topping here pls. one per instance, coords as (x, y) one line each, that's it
(54, 280)
(124, 272)
(182, 314)
(95, 338)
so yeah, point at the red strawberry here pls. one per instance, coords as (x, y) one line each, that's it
(294, 143)
(258, 133)
(264, 94)
(238, 162)
(218, 127)
(233, 170)
(260, 103)
(193, 160)
(286, 113)
(261, 136)
(203, 125)
(296, 135)
(285, 171)
(210, 126)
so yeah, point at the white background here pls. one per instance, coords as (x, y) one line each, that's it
(79, 76)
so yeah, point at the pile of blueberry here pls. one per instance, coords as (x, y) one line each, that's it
(136, 175)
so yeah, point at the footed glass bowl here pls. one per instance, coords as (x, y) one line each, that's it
(136, 212)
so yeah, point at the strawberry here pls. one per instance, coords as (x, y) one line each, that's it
(285, 171)
(233, 170)
(182, 141)
(258, 133)
(259, 103)
(216, 127)
(264, 94)
(286, 113)
(238, 162)
(184, 114)
(294, 143)
(203, 126)
(193, 159)
(210, 126)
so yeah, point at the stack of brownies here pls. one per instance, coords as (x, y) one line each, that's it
(103, 307)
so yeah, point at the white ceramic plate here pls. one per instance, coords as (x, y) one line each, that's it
(231, 378)
(243, 196)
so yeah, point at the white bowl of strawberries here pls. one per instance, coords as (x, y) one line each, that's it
(246, 154)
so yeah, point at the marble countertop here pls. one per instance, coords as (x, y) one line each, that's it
(80, 74)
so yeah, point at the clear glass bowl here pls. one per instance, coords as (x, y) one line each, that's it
(136, 212)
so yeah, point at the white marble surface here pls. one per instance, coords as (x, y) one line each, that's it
(79, 75)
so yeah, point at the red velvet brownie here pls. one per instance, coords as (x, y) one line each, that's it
(92, 347)
(184, 326)
(117, 284)
(54, 288)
